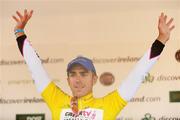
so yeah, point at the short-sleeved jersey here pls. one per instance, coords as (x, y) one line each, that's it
(90, 108)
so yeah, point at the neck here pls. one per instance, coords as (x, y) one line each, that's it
(82, 95)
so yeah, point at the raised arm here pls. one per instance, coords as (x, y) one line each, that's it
(31, 58)
(130, 85)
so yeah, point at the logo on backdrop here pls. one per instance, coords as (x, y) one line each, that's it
(148, 78)
(177, 55)
(107, 78)
(174, 96)
(30, 116)
(148, 116)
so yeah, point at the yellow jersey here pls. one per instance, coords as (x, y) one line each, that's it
(90, 108)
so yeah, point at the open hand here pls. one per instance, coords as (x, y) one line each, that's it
(22, 19)
(165, 27)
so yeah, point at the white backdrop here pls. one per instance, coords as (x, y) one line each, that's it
(99, 29)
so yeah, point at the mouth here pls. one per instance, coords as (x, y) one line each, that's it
(79, 87)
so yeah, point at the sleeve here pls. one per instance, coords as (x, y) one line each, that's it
(55, 97)
(39, 75)
(113, 104)
(130, 85)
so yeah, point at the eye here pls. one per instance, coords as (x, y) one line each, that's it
(71, 74)
(84, 74)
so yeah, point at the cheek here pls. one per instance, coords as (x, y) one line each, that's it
(71, 81)
(89, 82)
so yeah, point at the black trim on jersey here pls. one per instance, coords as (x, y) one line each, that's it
(20, 42)
(156, 49)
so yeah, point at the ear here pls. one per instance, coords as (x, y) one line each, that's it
(95, 77)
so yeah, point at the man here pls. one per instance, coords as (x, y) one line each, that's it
(82, 75)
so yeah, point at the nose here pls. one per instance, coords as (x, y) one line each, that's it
(78, 79)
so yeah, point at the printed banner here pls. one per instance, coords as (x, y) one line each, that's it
(114, 34)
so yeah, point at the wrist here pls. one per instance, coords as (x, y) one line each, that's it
(19, 32)
(162, 39)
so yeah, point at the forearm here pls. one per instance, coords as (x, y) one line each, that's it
(33, 62)
(130, 85)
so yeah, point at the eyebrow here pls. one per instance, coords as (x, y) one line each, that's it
(72, 72)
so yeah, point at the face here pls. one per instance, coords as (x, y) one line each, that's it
(81, 80)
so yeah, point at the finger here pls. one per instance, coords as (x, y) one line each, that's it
(165, 18)
(16, 19)
(169, 22)
(30, 14)
(162, 15)
(25, 14)
(171, 28)
(161, 18)
(160, 21)
(19, 14)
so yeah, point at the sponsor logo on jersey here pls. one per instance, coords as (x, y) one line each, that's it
(86, 114)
